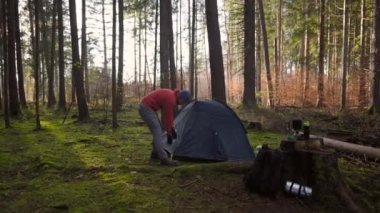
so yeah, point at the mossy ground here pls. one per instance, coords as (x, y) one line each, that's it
(88, 167)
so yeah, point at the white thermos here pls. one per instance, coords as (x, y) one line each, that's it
(297, 189)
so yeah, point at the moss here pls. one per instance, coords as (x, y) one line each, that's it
(89, 167)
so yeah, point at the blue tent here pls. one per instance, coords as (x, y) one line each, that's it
(210, 130)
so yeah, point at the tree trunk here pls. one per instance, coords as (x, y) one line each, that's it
(5, 64)
(190, 42)
(51, 96)
(180, 45)
(218, 89)
(155, 48)
(278, 51)
(375, 109)
(345, 52)
(84, 52)
(249, 94)
(120, 91)
(14, 104)
(61, 58)
(145, 55)
(77, 67)
(134, 48)
(192, 51)
(164, 42)
(321, 55)
(307, 60)
(363, 66)
(266, 53)
(20, 72)
(173, 71)
(140, 26)
(37, 62)
(258, 61)
(229, 55)
(114, 102)
(105, 62)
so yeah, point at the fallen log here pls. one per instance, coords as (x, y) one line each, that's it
(370, 152)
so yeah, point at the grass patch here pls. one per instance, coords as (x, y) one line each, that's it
(89, 167)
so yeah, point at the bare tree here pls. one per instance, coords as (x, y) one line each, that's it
(165, 6)
(363, 66)
(37, 61)
(51, 96)
(5, 64)
(120, 92)
(346, 7)
(320, 100)
(14, 103)
(155, 47)
(61, 58)
(84, 52)
(375, 108)
(192, 50)
(77, 67)
(173, 71)
(114, 107)
(20, 72)
(266, 53)
(249, 96)
(218, 88)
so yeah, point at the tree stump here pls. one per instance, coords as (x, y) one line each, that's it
(318, 169)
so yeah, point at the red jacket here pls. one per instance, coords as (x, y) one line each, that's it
(164, 100)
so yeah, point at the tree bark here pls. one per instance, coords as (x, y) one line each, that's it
(346, 7)
(249, 94)
(363, 66)
(20, 72)
(155, 48)
(51, 96)
(114, 102)
(5, 64)
(368, 151)
(105, 62)
(266, 53)
(164, 42)
(37, 62)
(14, 103)
(321, 55)
(376, 67)
(173, 71)
(120, 91)
(278, 65)
(218, 89)
(84, 52)
(180, 45)
(192, 51)
(61, 58)
(77, 67)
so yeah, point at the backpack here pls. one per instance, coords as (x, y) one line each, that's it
(265, 176)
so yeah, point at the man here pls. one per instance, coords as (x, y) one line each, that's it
(165, 100)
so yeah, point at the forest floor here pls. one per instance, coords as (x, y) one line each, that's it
(76, 167)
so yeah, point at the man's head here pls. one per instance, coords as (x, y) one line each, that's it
(184, 97)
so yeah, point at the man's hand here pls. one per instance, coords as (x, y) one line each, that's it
(174, 134)
(170, 139)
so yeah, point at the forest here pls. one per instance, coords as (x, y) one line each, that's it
(74, 75)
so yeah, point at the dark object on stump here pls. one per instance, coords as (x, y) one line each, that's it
(265, 175)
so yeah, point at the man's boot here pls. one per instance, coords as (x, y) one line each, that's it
(168, 162)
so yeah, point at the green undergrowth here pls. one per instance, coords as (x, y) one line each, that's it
(88, 167)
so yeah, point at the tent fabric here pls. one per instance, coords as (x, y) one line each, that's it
(210, 130)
